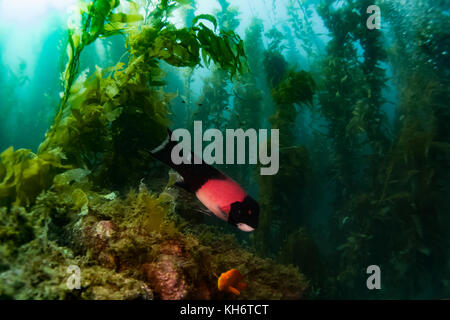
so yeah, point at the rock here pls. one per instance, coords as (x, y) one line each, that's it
(105, 284)
(167, 278)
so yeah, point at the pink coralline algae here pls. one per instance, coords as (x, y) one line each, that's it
(104, 230)
(97, 237)
(166, 277)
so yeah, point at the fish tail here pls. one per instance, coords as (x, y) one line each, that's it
(194, 175)
(163, 153)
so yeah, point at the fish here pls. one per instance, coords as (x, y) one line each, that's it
(220, 194)
(231, 281)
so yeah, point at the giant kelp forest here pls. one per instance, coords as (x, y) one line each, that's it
(364, 154)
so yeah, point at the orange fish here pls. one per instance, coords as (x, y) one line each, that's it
(231, 281)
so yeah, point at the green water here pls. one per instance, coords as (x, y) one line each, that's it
(362, 111)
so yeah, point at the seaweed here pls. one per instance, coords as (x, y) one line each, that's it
(213, 105)
(128, 247)
(252, 99)
(24, 175)
(364, 154)
(288, 89)
(391, 215)
(300, 20)
(58, 207)
(116, 112)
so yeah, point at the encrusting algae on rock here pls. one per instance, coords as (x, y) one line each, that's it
(130, 248)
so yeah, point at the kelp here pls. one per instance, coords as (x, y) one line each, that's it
(96, 104)
(108, 116)
(396, 216)
(352, 189)
(213, 104)
(228, 15)
(251, 97)
(351, 104)
(160, 40)
(300, 21)
(274, 62)
(405, 200)
(24, 175)
(281, 214)
(96, 20)
(296, 88)
(121, 110)
(187, 47)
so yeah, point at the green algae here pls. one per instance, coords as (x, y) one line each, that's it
(23, 174)
(120, 246)
(59, 206)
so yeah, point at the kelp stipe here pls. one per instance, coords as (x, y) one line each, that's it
(288, 88)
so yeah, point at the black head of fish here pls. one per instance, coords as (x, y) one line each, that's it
(244, 214)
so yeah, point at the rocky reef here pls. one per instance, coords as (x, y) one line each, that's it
(133, 246)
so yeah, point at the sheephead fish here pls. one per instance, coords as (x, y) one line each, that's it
(223, 196)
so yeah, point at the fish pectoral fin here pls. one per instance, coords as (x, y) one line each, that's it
(234, 290)
(222, 213)
(205, 211)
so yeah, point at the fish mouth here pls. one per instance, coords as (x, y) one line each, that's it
(244, 214)
(245, 227)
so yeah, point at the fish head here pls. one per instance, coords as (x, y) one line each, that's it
(223, 282)
(244, 214)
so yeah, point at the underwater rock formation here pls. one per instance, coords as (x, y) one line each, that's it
(134, 247)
